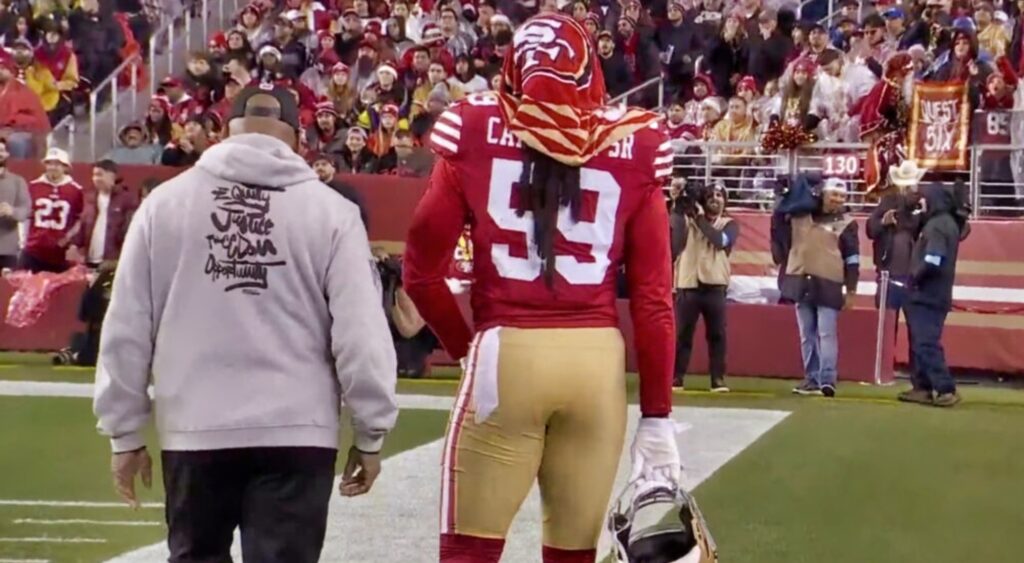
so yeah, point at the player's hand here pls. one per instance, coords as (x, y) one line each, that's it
(361, 470)
(124, 467)
(848, 301)
(889, 218)
(654, 451)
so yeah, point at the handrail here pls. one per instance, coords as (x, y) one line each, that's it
(621, 98)
(67, 123)
(134, 61)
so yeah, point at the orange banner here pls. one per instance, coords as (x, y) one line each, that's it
(940, 119)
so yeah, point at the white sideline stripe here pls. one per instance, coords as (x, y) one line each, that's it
(74, 504)
(52, 540)
(960, 292)
(24, 561)
(409, 497)
(66, 522)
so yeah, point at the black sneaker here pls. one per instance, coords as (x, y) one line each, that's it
(828, 390)
(719, 386)
(677, 382)
(807, 389)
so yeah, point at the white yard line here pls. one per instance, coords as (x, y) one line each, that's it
(52, 540)
(24, 561)
(74, 504)
(45, 389)
(66, 522)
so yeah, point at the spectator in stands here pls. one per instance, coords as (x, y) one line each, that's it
(318, 76)
(457, 42)
(15, 205)
(23, 121)
(933, 270)
(160, 129)
(389, 89)
(383, 135)
(187, 148)
(357, 158)
(679, 42)
(56, 54)
(466, 78)
(1000, 87)
(640, 53)
(38, 78)
(737, 127)
(437, 102)
(291, 48)
(21, 30)
(492, 48)
(108, 211)
(711, 111)
(134, 147)
(823, 251)
(437, 78)
(396, 35)
(726, 56)
(327, 135)
(54, 223)
(326, 169)
(674, 119)
(202, 83)
(993, 38)
(217, 49)
(703, 236)
(351, 36)
(251, 22)
(302, 32)
(961, 64)
(239, 67)
(239, 46)
(180, 105)
(97, 38)
(1016, 49)
(411, 160)
(139, 23)
(366, 72)
(769, 48)
(708, 20)
(617, 79)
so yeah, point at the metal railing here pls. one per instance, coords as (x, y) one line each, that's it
(659, 80)
(995, 176)
(112, 82)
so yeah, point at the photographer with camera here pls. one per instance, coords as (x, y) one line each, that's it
(414, 342)
(822, 258)
(703, 236)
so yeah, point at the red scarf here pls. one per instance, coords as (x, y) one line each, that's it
(56, 58)
(552, 93)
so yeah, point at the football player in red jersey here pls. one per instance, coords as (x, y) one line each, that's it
(559, 191)
(53, 225)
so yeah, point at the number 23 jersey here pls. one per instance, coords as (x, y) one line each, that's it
(56, 210)
(622, 222)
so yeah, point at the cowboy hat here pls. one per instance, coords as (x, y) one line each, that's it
(907, 174)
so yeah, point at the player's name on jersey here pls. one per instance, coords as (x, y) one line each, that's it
(498, 135)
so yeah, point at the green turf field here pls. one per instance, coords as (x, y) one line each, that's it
(859, 479)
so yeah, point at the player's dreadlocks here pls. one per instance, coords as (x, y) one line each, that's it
(547, 186)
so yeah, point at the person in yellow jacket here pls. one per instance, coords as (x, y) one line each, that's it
(437, 77)
(36, 76)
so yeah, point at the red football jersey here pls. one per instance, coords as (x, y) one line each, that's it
(54, 222)
(623, 222)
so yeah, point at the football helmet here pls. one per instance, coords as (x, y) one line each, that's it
(656, 522)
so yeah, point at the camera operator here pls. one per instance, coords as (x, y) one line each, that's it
(823, 256)
(414, 342)
(703, 236)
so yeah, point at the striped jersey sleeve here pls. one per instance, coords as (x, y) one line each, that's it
(446, 137)
(663, 156)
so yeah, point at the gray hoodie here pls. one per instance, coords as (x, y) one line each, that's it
(247, 296)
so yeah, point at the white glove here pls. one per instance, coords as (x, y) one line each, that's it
(654, 451)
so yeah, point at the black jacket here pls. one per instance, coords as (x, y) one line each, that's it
(885, 237)
(616, 74)
(766, 58)
(724, 59)
(935, 253)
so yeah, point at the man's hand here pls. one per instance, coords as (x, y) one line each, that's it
(889, 218)
(654, 451)
(74, 255)
(848, 301)
(361, 470)
(6, 210)
(124, 467)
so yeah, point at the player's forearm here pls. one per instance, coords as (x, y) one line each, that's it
(654, 328)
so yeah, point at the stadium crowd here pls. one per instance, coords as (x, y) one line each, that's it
(367, 71)
(56, 51)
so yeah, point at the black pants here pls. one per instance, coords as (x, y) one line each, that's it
(930, 371)
(277, 496)
(8, 261)
(707, 301)
(34, 265)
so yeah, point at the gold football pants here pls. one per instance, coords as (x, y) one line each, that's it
(560, 418)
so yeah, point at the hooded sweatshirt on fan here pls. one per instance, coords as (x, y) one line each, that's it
(935, 253)
(255, 307)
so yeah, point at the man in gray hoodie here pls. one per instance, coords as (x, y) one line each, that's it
(246, 295)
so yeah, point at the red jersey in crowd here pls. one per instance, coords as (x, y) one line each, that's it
(55, 218)
(623, 221)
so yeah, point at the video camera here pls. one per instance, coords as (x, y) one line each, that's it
(693, 193)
